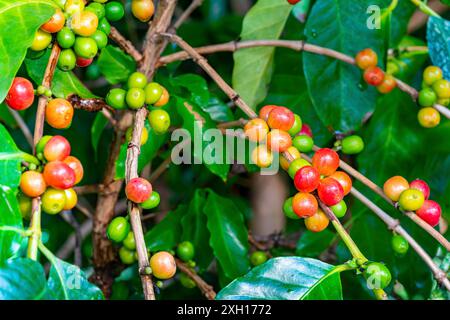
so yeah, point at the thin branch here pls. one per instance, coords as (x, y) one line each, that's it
(22, 126)
(87, 189)
(186, 14)
(125, 44)
(205, 288)
(69, 245)
(70, 219)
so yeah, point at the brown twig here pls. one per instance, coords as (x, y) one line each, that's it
(22, 126)
(70, 219)
(69, 245)
(87, 189)
(186, 14)
(205, 288)
(125, 44)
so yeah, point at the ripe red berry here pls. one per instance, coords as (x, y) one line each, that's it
(138, 190)
(32, 184)
(317, 222)
(307, 179)
(344, 180)
(264, 112)
(305, 205)
(366, 58)
(278, 140)
(430, 212)
(76, 166)
(330, 191)
(421, 186)
(21, 94)
(306, 130)
(293, 1)
(374, 76)
(59, 175)
(57, 148)
(83, 62)
(326, 161)
(389, 83)
(281, 118)
(59, 113)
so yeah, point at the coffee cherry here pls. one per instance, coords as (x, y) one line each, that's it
(55, 23)
(307, 179)
(20, 95)
(153, 92)
(278, 140)
(59, 113)
(114, 11)
(103, 25)
(421, 186)
(264, 112)
(374, 76)
(67, 60)
(144, 135)
(429, 117)
(399, 244)
(330, 191)
(389, 83)
(76, 166)
(281, 118)
(41, 40)
(296, 165)
(306, 130)
(164, 99)
(137, 80)
(96, 8)
(432, 74)
(366, 58)
(297, 126)
(25, 205)
(339, 209)
(159, 120)
(317, 222)
(257, 258)
(163, 265)
(378, 275)
(84, 23)
(56, 148)
(256, 130)
(185, 280)
(116, 98)
(71, 199)
(293, 1)
(344, 180)
(442, 88)
(85, 47)
(100, 38)
(126, 256)
(430, 212)
(326, 161)
(83, 62)
(352, 145)
(152, 202)
(138, 190)
(142, 9)
(59, 175)
(262, 157)
(129, 242)
(427, 97)
(65, 38)
(411, 200)
(118, 229)
(186, 251)
(32, 184)
(292, 153)
(41, 144)
(305, 205)
(289, 210)
(53, 201)
(393, 187)
(73, 6)
(135, 98)
(303, 143)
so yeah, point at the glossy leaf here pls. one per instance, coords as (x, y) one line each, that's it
(97, 128)
(9, 217)
(19, 21)
(115, 65)
(196, 85)
(290, 278)
(253, 66)
(438, 36)
(313, 244)
(9, 168)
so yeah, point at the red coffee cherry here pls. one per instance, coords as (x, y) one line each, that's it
(138, 190)
(421, 186)
(281, 118)
(306, 130)
(307, 179)
(264, 112)
(317, 222)
(374, 76)
(330, 191)
(293, 1)
(326, 161)
(32, 184)
(366, 58)
(83, 62)
(57, 148)
(21, 94)
(393, 187)
(163, 265)
(76, 166)
(59, 113)
(305, 205)
(430, 212)
(55, 23)
(389, 83)
(344, 180)
(278, 140)
(59, 175)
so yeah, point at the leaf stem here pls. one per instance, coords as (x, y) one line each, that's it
(35, 229)
(425, 8)
(23, 233)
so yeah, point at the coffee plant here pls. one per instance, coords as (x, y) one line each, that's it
(308, 158)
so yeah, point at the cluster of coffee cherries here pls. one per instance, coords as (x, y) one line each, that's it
(54, 179)
(142, 9)
(413, 196)
(80, 30)
(367, 61)
(319, 178)
(435, 89)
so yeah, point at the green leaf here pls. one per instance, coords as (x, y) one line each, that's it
(438, 36)
(313, 244)
(68, 282)
(115, 64)
(9, 216)
(218, 110)
(290, 278)
(334, 86)
(166, 234)
(148, 151)
(196, 85)
(19, 21)
(229, 237)
(22, 279)
(63, 83)
(10, 168)
(253, 66)
(100, 123)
